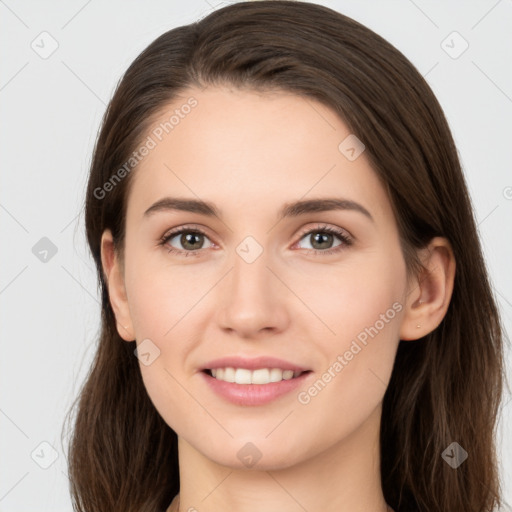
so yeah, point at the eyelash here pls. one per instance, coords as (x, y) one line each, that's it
(342, 235)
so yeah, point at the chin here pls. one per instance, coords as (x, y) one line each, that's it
(255, 455)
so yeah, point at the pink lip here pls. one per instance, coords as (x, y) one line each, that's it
(253, 394)
(252, 364)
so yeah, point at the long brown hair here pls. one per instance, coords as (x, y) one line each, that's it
(445, 387)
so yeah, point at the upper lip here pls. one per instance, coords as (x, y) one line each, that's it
(252, 364)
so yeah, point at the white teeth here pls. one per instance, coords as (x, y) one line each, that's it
(229, 374)
(276, 375)
(259, 376)
(242, 376)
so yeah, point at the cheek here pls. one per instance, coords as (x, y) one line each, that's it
(162, 295)
(365, 314)
(160, 302)
(347, 298)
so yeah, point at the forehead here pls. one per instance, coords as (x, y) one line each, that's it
(250, 150)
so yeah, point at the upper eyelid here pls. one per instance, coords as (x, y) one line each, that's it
(321, 226)
(185, 228)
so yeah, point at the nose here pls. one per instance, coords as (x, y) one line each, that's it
(252, 300)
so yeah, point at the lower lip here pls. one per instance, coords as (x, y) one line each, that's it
(253, 394)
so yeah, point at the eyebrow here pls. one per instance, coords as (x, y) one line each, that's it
(294, 209)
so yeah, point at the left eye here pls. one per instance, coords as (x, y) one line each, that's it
(323, 239)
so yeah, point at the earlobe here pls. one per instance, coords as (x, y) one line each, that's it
(430, 292)
(114, 278)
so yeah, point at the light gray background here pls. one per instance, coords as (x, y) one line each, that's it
(51, 110)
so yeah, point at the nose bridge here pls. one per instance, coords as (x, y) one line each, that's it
(250, 298)
(250, 275)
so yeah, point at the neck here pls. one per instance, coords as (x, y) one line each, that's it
(344, 478)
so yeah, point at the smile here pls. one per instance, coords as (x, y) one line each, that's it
(258, 376)
(245, 393)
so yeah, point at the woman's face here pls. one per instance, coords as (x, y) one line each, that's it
(255, 283)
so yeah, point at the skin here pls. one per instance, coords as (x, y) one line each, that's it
(249, 153)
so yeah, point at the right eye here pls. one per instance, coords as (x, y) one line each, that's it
(188, 238)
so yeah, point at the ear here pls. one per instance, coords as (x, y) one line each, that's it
(113, 272)
(429, 292)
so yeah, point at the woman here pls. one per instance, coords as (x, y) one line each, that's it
(361, 371)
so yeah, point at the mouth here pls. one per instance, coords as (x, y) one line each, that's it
(253, 381)
(259, 376)
(257, 387)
